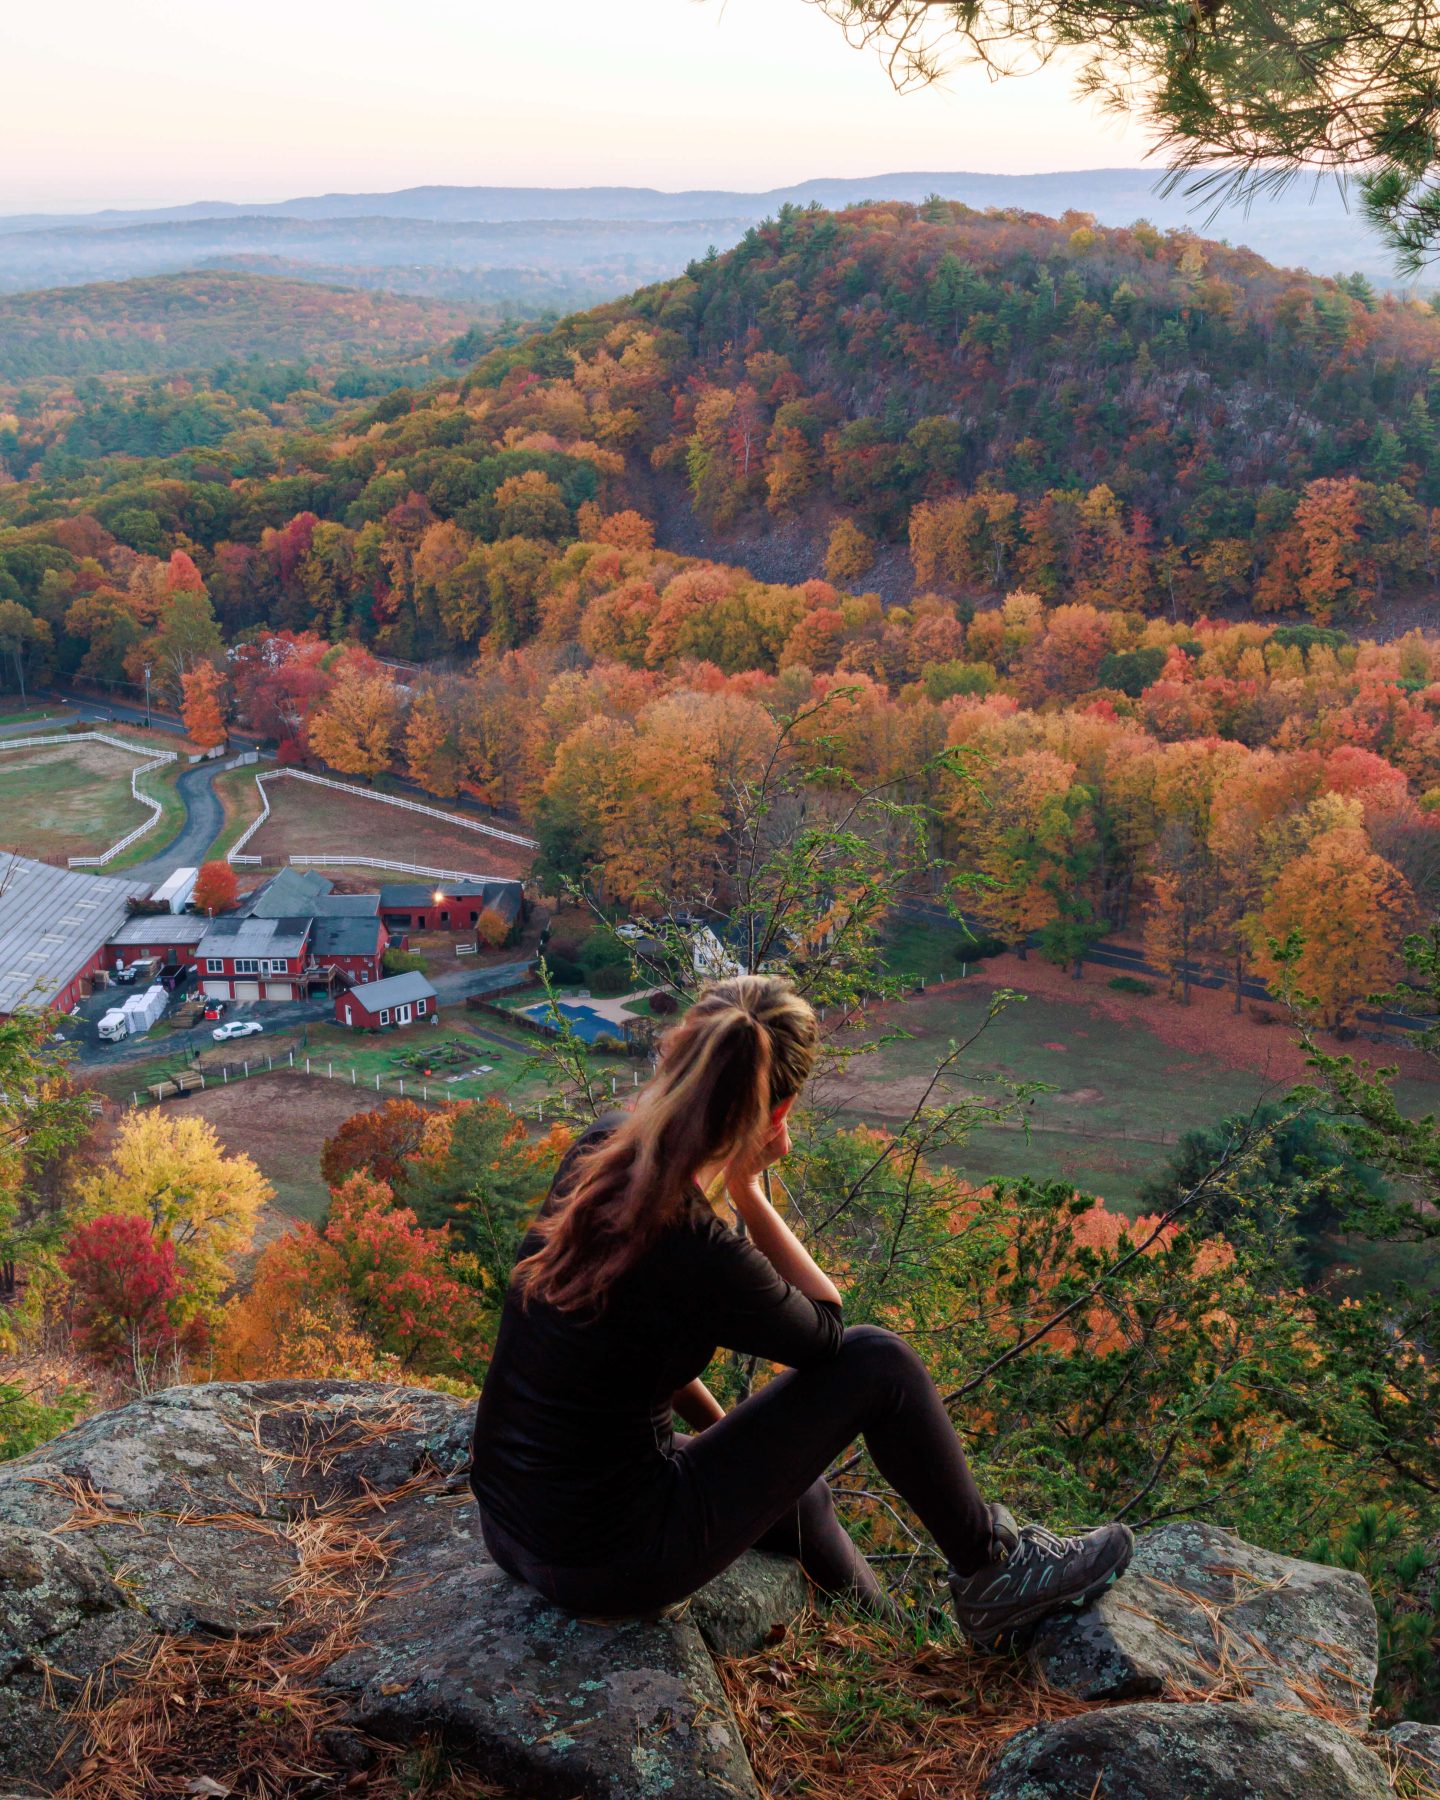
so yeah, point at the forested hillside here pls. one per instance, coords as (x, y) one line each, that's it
(1125, 413)
(149, 369)
(1135, 419)
(201, 318)
(1193, 780)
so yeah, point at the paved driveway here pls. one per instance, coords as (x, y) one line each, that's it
(204, 816)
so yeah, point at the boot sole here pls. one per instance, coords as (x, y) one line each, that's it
(1017, 1633)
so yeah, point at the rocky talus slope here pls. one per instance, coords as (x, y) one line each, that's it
(286, 1581)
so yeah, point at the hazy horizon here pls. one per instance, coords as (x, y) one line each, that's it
(328, 98)
(148, 203)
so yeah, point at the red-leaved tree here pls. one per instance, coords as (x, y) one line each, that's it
(379, 1143)
(126, 1287)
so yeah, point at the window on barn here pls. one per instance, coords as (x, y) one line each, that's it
(214, 965)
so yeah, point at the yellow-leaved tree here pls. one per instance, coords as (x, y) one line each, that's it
(354, 729)
(175, 1173)
(1351, 910)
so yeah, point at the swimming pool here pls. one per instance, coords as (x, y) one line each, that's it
(583, 1020)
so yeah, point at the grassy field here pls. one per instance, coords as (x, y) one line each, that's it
(925, 949)
(1120, 1100)
(43, 718)
(240, 797)
(160, 785)
(74, 800)
(307, 820)
(281, 1121)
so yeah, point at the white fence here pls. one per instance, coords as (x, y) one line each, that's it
(346, 787)
(402, 868)
(89, 737)
(158, 759)
(330, 1070)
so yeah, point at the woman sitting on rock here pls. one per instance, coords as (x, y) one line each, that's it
(624, 1288)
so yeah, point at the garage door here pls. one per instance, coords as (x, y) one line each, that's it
(279, 990)
(217, 990)
(247, 990)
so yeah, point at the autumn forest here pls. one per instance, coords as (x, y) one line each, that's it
(1149, 569)
(1066, 588)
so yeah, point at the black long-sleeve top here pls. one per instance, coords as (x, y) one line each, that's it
(573, 1429)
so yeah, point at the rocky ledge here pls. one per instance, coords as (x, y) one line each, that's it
(315, 1543)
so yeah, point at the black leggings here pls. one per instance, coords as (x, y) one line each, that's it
(755, 1479)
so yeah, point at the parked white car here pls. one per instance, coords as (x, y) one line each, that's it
(236, 1028)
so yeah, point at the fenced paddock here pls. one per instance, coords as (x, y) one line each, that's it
(433, 1090)
(70, 803)
(340, 810)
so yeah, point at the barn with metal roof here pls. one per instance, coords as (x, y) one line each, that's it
(54, 925)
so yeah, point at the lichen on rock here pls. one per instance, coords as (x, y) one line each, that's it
(213, 1535)
(1222, 1751)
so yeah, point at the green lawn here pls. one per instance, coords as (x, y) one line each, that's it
(42, 721)
(927, 950)
(160, 785)
(241, 800)
(74, 801)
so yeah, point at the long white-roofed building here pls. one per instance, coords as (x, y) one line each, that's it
(54, 926)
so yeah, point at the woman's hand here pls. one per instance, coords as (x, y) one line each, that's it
(743, 1171)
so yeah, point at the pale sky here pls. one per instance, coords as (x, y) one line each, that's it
(135, 102)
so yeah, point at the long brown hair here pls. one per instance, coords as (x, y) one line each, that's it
(744, 1047)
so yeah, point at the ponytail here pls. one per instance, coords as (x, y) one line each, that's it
(745, 1046)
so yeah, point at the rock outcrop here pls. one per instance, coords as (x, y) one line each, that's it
(294, 1512)
(1201, 1610)
(1218, 1752)
(214, 1541)
(1415, 1749)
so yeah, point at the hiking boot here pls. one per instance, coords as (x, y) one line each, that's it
(1032, 1573)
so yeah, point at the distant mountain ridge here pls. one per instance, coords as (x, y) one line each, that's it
(1083, 188)
(442, 240)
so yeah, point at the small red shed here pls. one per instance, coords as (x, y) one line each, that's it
(397, 1000)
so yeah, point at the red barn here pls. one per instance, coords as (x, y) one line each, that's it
(254, 959)
(354, 946)
(55, 925)
(397, 1000)
(173, 937)
(450, 906)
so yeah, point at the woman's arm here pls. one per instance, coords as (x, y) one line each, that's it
(774, 1239)
(696, 1405)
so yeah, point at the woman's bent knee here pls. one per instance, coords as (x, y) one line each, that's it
(873, 1346)
(816, 1504)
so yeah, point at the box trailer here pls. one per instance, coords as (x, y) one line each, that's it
(114, 1025)
(174, 892)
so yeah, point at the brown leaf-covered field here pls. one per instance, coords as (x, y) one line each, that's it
(311, 821)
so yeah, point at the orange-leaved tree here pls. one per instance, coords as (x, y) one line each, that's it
(216, 888)
(849, 554)
(354, 726)
(1350, 910)
(205, 706)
